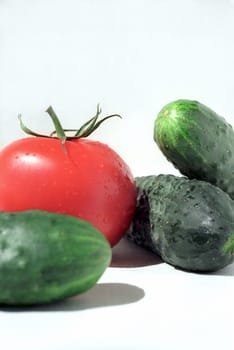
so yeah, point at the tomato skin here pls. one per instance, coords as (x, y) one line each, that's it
(83, 178)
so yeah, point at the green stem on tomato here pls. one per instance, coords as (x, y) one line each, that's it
(27, 130)
(85, 130)
(58, 127)
(87, 127)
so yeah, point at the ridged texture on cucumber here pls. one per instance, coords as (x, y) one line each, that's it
(199, 142)
(187, 222)
(45, 257)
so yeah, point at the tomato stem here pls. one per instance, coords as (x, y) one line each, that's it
(58, 127)
(84, 131)
(27, 130)
(88, 127)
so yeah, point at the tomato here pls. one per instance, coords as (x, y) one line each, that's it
(81, 177)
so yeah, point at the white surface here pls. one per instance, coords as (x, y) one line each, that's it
(132, 57)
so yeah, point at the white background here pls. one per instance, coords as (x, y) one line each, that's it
(132, 57)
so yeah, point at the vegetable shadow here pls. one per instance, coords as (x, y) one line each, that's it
(226, 271)
(128, 254)
(101, 295)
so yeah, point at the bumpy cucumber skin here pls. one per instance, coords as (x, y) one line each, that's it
(186, 222)
(46, 257)
(199, 142)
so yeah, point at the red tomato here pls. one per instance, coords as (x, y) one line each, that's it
(85, 178)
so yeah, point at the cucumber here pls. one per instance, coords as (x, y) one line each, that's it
(199, 142)
(188, 223)
(46, 257)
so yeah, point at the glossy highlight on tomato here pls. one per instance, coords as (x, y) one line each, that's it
(80, 177)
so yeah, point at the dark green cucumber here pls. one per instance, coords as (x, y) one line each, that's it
(46, 257)
(189, 223)
(199, 142)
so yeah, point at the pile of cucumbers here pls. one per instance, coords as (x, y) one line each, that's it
(189, 220)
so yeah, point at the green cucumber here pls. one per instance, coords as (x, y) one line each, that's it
(46, 257)
(199, 142)
(188, 223)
